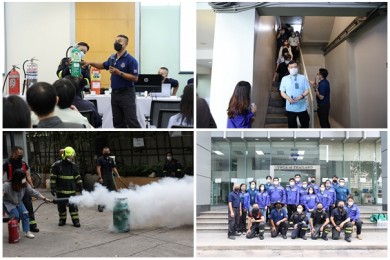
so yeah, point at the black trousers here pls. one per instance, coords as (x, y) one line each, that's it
(300, 231)
(27, 201)
(323, 115)
(234, 223)
(256, 227)
(73, 210)
(304, 119)
(295, 52)
(281, 228)
(358, 225)
(243, 221)
(124, 109)
(347, 231)
(291, 208)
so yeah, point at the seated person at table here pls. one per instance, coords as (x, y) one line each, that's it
(186, 115)
(163, 71)
(42, 99)
(82, 104)
(16, 113)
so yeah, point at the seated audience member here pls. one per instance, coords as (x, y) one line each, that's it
(16, 113)
(66, 93)
(186, 115)
(190, 81)
(82, 104)
(163, 71)
(42, 99)
(204, 118)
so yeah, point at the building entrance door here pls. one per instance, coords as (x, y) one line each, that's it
(285, 172)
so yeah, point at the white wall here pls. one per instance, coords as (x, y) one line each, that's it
(203, 85)
(160, 42)
(203, 169)
(41, 30)
(232, 59)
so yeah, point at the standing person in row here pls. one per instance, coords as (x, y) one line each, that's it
(322, 91)
(319, 223)
(268, 185)
(244, 199)
(276, 193)
(332, 195)
(262, 200)
(298, 182)
(279, 221)
(313, 184)
(256, 223)
(300, 223)
(252, 191)
(340, 220)
(302, 195)
(292, 197)
(342, 192)
(234, 212)
(324, 197)
(311, 201)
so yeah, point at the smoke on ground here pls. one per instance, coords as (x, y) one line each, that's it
(166, 203)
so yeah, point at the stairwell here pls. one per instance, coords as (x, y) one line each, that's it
(276, 113)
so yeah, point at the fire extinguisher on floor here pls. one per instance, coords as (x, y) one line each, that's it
(13, 231)
(13, 77)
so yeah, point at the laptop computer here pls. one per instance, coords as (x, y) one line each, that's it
(148, 82)
(165, 91)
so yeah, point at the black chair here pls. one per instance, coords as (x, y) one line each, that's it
(89, 115)
(164, 115)
(157, 105)
(94, 102)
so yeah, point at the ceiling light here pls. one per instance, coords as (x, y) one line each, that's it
(257, 139)
(307, 139)
(281, 139)
(218, 152)
(332, 139)
(259, 153)
(301, 152)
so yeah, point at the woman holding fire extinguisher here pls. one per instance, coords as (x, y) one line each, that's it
(13, 192)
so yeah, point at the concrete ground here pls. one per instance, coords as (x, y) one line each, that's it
(94, 238)
(217, 244)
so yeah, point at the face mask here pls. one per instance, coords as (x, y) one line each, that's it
(293, 71)
(255, 212)
(340, 207)
(278, 206)
(292, 183)
(313, 181)
(310, 192)
(287, 61)
(350, 203)
(262, 188)
(327, 185)
(304, 186)
(299, 210)
(322, 189)
(69, 160)
(276, 183)
(82, 55)
(117, 46)
(341, 184)
(334, 181)
(237, 189)
(293, 35)
(253, 187)
(319, 209)
(268, 181)
(169, 158)
(20, 157)
(106, 154)
(24, 180)
(297, 179)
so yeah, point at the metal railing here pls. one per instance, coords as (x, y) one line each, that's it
(309, 98)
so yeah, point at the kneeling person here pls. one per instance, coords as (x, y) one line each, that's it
(319, 223)
(279, 221)
(255, 223)
(340, 220)
(300, 222)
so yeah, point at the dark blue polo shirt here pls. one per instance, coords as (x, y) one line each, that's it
(276, 216)
(107, 164)
(324, 90)
(234, 198)
(174, 83)
(127, 64)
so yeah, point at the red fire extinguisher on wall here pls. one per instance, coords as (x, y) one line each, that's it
(13, 231)
(13, 81)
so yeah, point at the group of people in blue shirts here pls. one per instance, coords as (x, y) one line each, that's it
(320, 208)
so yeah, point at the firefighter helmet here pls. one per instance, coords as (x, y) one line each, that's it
(68, 152)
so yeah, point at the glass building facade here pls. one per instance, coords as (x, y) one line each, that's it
(239, 157)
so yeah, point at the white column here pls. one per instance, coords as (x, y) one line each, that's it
(203, 171)
(232, 59)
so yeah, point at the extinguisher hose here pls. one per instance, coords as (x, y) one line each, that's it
(5, 80)
(24, 79)
(67, 50)
(43, 202)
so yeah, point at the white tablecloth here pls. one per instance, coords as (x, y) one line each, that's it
(143, 107)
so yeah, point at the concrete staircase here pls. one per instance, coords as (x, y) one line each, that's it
(276, 117)
(216, 221)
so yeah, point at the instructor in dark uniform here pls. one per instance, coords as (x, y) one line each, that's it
(124, 72)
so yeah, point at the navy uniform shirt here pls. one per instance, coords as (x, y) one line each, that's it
(276, 216)
(324, 90)
(126, 64)
(339, 216)
(234, 198)
(319, 217)
(174, 83)
(106, 164)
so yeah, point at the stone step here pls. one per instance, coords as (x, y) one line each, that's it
(276, 102)
(276, 110)
(223, 214)
(276, 119)
(276, 95)
(275, 126)
(206, 222)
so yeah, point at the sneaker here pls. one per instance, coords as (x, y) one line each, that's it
(359, 237)
(325, 238)
(261, 237)
(348, 239)
(100, 209)
(61, 222)
(231, 237)
(34, 229)
(304, 238)
(284, 236)
(237, 234)
(28, 234)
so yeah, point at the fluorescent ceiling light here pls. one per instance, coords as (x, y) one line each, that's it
(301, 152)
(218, 152)
(259, 153)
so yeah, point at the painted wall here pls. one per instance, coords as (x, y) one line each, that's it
(45, 36)
(232, 59)
(160, 42)
(203, 171)
(203, 85)
(264, 66)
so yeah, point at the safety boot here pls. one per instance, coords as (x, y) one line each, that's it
(76, 223)
(61, 222)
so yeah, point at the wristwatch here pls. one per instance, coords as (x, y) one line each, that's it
(121, 74)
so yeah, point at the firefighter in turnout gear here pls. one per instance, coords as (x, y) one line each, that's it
(300, 223)
(64, 179)
(340, 220)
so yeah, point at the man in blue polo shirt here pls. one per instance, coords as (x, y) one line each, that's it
(124, 72)
(234, 212)
(294, 88)
(322, 91)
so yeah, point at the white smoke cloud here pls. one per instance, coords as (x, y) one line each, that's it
(166, 203)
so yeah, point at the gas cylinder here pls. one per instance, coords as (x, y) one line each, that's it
(75, 67)
(31, 73)
(14, 82)
(121, 215)
(13, 231)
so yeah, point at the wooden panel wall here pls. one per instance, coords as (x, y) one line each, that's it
(98, 24)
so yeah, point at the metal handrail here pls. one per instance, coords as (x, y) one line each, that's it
(309, 98)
